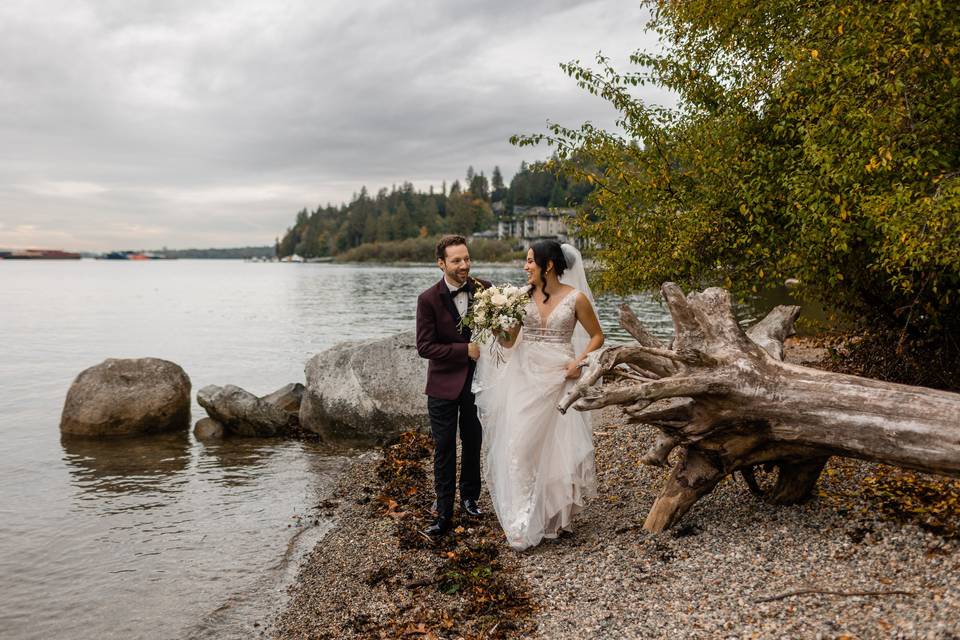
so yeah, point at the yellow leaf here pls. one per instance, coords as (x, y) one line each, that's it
(814, 54)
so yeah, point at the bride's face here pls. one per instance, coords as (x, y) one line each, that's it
(532, 269)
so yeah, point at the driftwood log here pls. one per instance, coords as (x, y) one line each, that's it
(726, 400)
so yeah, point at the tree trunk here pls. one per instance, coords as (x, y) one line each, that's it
(729, 402)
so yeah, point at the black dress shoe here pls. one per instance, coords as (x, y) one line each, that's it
(470, 508)
(439, 527)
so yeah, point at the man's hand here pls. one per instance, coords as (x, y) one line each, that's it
(473, 351)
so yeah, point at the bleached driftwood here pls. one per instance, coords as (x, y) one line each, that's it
(729, 402)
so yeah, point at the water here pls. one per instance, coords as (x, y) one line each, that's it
(166, 537)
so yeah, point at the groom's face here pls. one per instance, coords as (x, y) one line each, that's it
(456, 264)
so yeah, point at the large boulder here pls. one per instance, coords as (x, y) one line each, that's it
(123, 397)
(243, 414)
(366, 389)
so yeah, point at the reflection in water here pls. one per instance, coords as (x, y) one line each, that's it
(126, 465)
(236, 461)
(183, 526)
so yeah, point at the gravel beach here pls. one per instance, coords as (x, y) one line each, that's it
(731, 569)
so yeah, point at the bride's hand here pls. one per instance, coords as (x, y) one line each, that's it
(573, 370)
(506, 337)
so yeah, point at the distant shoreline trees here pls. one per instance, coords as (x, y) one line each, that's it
(404, 213)
(235, 253)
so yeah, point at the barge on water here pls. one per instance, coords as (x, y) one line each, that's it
(133, 255)
(38, 254)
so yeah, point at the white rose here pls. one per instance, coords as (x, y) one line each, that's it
(510, 291)
(498, 299)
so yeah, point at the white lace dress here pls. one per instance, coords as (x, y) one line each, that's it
(538, 463)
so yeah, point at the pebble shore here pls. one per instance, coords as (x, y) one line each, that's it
(726, 571)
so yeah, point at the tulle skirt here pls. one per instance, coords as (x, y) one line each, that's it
(538, 463)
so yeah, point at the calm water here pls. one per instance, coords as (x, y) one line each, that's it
(166, 537)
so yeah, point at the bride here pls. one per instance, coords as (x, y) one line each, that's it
(539, 465)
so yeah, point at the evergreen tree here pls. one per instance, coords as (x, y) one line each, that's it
(404, 226)
(499, 189)
(461, 215)
(479, 188)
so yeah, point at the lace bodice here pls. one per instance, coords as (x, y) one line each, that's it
(559, 324)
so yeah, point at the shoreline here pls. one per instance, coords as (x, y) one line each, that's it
(729, 569)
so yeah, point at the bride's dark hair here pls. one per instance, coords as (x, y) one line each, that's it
(545, 251)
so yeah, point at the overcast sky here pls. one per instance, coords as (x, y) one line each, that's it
(207, 123)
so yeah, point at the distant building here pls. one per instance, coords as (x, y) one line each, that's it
(530, 224)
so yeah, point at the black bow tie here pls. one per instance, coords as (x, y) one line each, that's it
(464, 289)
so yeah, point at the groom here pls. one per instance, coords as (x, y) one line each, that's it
(449, 376)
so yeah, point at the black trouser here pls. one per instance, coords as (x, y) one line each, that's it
(443, 427)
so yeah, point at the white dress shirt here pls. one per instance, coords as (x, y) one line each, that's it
(460, 300)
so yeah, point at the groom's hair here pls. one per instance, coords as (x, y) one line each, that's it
(448, 241)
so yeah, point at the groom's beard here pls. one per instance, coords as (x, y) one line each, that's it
(455, 277)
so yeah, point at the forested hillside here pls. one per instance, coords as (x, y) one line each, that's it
(403, 212)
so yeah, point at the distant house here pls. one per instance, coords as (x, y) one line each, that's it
(530, 224)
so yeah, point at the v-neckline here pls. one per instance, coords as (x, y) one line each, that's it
(543, 320)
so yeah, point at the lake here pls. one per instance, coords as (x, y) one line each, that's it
(167, 537)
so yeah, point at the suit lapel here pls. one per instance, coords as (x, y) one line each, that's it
(470, 292)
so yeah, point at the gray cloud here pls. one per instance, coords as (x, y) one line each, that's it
(134, 123)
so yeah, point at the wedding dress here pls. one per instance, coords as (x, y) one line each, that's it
(538, 463)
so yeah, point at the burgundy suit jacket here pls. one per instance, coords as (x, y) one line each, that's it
(440, 341)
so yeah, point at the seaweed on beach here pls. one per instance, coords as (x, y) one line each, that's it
(405, 492)
(465, 589)
(930, 502)
(874, 490)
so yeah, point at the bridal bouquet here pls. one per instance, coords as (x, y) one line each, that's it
(495, 310)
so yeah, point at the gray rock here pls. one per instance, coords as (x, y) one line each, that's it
(208, 429)
(366, 389)
(123, 397)
(244, 414)
(287, 397)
